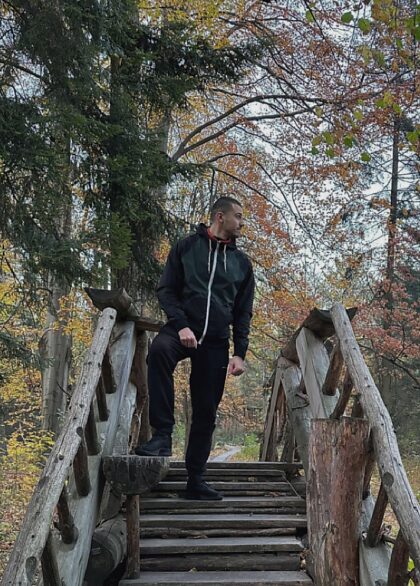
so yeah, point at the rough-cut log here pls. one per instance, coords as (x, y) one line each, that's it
(344, 397)
(319, 322)
(269, 421)
(30, 543)
(334, 371)
(374, 532)
(108, 549)
(393, 475)
(91, 434)
(101, 401)
(133, 536)
(298, 408)
(121, 301)
(398, 568)
(134, 474)
(50, 572)
(369, 468)
(65, 525)
(139, 378)
(81, 470)
(314, 363)
(337, 453)
(289, 444)
(108, 375)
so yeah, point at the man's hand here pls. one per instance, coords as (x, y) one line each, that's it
(236, 366)
(187, 338)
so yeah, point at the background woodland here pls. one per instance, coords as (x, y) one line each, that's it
(121, 121)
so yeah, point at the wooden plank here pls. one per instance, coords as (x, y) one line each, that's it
(204, 533)
(233, 466)
(298, 485)
(341, 405)
(219, 578)
(398, 568)
(203, 562)
(228, 503)
(81, 470)
(334, 371)
(219, 545)
(223, 520)
(133, 536)
(374, 532)
(338, 450)
(269, 421)
(401, 496)
(234, 474)
(298, 408)
(373, 562)
(320, 323)
(65, 525)
(31, 540)
(314, 362)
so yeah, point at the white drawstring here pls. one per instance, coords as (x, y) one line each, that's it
(209, 293)
(209, 259)
(224, 257)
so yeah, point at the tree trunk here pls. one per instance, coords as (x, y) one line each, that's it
(55, 344)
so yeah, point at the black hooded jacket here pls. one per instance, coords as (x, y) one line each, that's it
(208, 285)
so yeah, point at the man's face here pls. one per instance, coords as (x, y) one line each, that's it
(233, 221)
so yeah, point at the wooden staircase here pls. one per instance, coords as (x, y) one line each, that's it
(250, 537)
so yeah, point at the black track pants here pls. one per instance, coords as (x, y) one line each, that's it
(208, 373)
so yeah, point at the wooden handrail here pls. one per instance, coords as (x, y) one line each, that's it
(32, 539)
(391, 469)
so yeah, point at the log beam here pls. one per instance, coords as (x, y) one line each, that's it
(373, 536)
(391, 469)
(398, 568)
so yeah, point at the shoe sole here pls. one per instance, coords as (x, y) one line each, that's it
(161, 453)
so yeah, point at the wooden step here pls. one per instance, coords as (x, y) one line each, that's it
(235, 472)
(231, 504)
(286, 466)
(219, 578)
(227, 521)
(222, 562)
(219, 545)
(241, 488)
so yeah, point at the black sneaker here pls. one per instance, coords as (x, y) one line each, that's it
(199, 490)
(159, 445)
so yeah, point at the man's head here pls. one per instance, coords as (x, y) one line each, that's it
(226, 217)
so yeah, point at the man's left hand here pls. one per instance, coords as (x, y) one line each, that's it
(236, 366)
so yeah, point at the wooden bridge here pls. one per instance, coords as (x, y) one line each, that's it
(98, 510)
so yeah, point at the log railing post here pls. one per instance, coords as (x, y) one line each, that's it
(374, 532)
(391, 469)
(398, 568)
(338, 451)
(66, 526)
(133, 536)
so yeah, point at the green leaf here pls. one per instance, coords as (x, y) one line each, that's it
(413, 137)
(364, 25)
(317, 140)
(397, 108)
(380, 103)
(330, 152)
(358, 114)
(314, 151)
(399, 43)
(346, 17)
(417, 33)
(348, 141)
(309, 16)
(319, 111)
(365, 157)
(328, 137)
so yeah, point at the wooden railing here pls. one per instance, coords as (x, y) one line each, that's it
(71, 496)
(340, 435)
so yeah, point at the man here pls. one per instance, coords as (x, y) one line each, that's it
(207, 285)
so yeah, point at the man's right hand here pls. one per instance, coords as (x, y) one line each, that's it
(187, 338)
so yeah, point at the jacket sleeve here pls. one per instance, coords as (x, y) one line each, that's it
(169, 290)
(242, 314)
